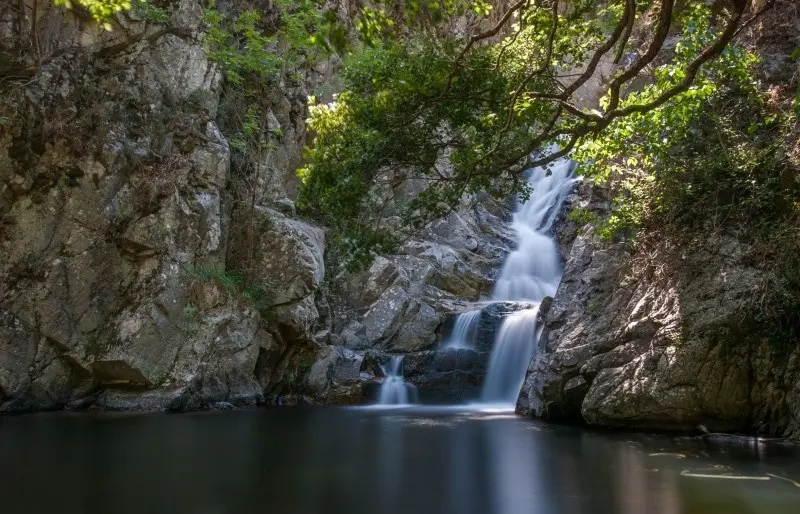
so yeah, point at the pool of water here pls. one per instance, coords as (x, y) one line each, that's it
(338, 460)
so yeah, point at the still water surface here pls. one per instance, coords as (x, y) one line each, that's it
(353, 461)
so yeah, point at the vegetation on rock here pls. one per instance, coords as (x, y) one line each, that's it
(726, 166)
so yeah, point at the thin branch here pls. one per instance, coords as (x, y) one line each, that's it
(538, 71)
(556, 155)
(479, 37)
(767, 6)
(599, 53)
(662, 30)
(628, 29)
(510, 42)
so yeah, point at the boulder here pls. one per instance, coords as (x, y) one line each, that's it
(335, 376)
(623, 346)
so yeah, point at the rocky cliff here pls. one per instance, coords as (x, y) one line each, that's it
(117, 236)
(647, 340)
(123, 233)
(656, 333)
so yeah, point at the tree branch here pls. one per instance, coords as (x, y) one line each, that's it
(479, 37)
(662, 30)
(692, 69)
(628, 30)
(599, 53)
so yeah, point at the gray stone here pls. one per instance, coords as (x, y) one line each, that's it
(123, 209)
(623, 346)
(335, 375)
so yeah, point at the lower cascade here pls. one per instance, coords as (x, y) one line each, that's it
(530, 273)
(512, 352)
(394, 389)
(465, 330)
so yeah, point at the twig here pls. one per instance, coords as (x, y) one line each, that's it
(687, 473)
(479, 37)
(796, 484)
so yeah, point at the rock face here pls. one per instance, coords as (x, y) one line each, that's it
(133, 276)
(118, 287)
(398, 304)
(401, 304)
(649, 340)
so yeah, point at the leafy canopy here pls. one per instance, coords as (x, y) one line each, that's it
(100, 10)
(423, 106)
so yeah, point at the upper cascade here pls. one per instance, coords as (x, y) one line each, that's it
(533, 270)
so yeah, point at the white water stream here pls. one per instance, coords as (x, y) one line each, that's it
(465, 331)
(530, 273)
(394, 389)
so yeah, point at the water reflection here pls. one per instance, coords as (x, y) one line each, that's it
(516, 462)
(353, 461)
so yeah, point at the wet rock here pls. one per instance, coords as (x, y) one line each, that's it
(335, 375)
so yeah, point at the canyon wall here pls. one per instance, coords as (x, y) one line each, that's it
(122, 229)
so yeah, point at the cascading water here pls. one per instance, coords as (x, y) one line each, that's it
(510, 357)
(530, 273)
(533, 270)
(465, 329)
(394, 389)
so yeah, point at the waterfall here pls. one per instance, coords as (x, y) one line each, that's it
(531, 272)
(510, 357)
(465, 330)
(394, 389)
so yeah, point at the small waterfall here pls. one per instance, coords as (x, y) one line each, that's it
(465, 330)
(394, 389)
(511, 355)
(531, 272)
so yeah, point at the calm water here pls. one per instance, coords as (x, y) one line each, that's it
(333, 460)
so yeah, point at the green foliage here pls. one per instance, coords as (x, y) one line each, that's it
(713, 160)
(236, 285)
(100, 10)
(594, 308)
(149, 12)
(256, 49)
(390, 19)
(375, 26)
(260, 53)
(247, 50)
(411, 103)
(387, 125)
(190, 310)
(582, 216)
(653, 133)
(240, 47)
